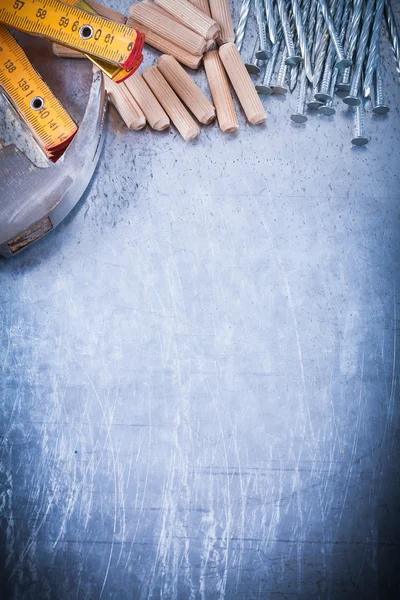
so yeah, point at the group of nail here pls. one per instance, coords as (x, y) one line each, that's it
(324, 46)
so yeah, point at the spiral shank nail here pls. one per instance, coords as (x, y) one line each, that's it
(355, 82)
(320, 59)
(293, 76)
(282, 69)
(373, 52)
(346, 75)
(269, 71)
(380, 97)
(241, 28)
(359, 121)
(332, 30)
(393, 32)
(286, 27)
(326, 78)
(301, 34)
(262, 32)
(345, 21)
(365, 31)
(355, 27)
(301, 101)
(269, 13)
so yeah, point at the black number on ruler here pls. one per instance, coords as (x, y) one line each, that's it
(130, 46)
(109, 38)
(41, 13)
(18, 4)
(44, 113)
(64, 22)
(9, 65)
(75, 26)
(97, 35)
(24, 85)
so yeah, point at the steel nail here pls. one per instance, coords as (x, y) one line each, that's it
(264, 52)
(241, 27)
(360, 137)
(265, 86)
(353, 99)
(299, 116)
(270, 17)
(393, 32)
(301, 35)
(380, 107)
(343, 62)
(374, 48)
(279, 87)
(292, 58)
(328, 109)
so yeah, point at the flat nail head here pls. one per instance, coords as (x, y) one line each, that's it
(279, 89)
(293, 61)
(265, 90)
(314, 105)
(343, 64)
(359, 141)
(343, 87)
(322, 97)
(327, 111)
(352, 101)
(299, 118)
(380, 109)
(263, 54)
(253, 69)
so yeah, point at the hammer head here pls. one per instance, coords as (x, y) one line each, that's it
(33, 200)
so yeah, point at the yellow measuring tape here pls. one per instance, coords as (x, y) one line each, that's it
(43, 113)
(115, 72)
(75, 28)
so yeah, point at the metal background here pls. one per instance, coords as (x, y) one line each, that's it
(198, 377)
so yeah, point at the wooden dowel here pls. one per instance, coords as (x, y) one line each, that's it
(159, 43)
(186, 89)
(147, 14)
(211, 45)
(242, 84)
(192, 17)
(202, 5)
(125, 104)
(107, 12)
(221, 94)
(65, 52)
(153, 111)
(221, 12)
(170, 102)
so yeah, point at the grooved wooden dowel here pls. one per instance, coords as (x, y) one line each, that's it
(186, 89)
(107, 12)
(192, 17)
(221, 93)
(159, 43)
(65, 52)
(170, 102)
(221, 12)
(153, 111)
(202, 5)
(147, 14)
(125, 104)
(242, 84)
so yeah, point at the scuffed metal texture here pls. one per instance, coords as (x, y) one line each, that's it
(198, 376)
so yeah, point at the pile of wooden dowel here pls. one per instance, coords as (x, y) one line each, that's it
(187, 32)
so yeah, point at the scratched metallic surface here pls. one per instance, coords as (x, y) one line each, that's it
(198, 376)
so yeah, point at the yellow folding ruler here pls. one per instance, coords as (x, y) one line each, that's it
(75, 28)
(116, 73)
(45, 116)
